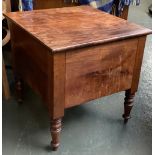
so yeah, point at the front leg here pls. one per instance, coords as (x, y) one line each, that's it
(55, 133)
(128, 104)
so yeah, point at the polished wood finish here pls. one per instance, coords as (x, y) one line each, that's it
(100, 71)
(76, 54)
(138, 63)
(35, 73)
(72, 27)
(128, 104)
(56, 85)
(55, 133)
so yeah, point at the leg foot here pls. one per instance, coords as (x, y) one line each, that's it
(128, 104)
(55, 133)
(18, 86)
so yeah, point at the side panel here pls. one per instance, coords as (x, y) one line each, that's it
(98, 71)
(30, 60)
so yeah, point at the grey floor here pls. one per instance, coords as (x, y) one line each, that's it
(95, 128)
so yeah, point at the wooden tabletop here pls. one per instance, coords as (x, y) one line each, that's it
(74, 27)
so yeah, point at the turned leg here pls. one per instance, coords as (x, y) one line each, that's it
(18, 87)
(55, 133)
(128, 104)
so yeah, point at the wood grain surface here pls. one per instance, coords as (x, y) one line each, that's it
(74, 27)
(30, 60)
(99, 71)
(56, 84)
(100, 55)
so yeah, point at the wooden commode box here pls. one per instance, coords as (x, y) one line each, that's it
(73, 55)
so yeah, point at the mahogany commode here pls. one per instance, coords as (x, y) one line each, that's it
(76, 54)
